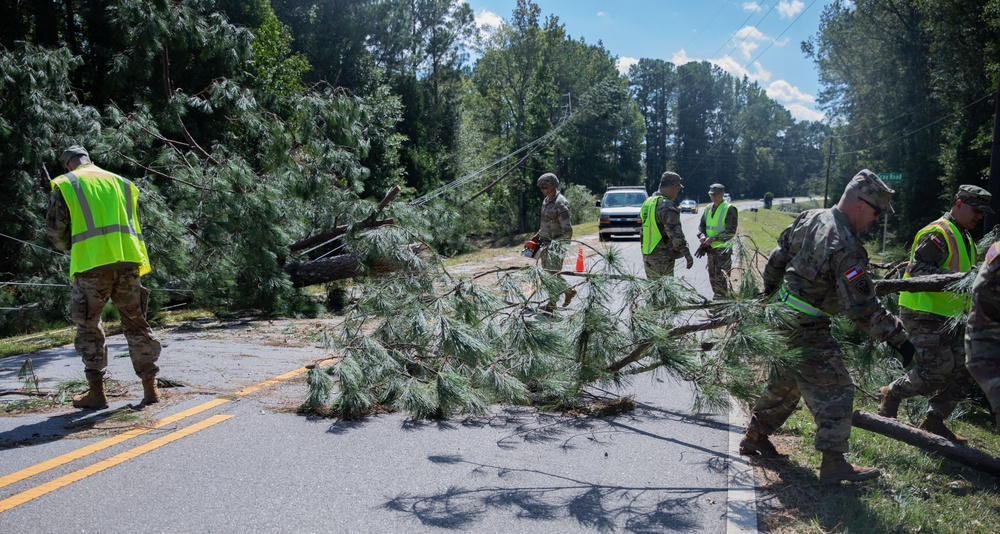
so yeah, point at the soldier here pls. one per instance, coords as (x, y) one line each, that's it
(94, 214)
(556, 231)
(982, 336)
(943, 246)
(819, 269)
(662, 235)
(715, 232)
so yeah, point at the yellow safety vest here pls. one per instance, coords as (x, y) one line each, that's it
(104, 224)
(960, 260)
(715, 225)
(650, 230)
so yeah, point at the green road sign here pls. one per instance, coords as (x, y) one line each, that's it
(890, 176)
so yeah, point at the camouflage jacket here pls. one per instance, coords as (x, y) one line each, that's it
(984, 319)
(672, 243)
(821, 261)
(732, 222)
(555, 219)
(57, 223)
(930, 252)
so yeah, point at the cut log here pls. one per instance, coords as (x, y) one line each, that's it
(336, 268)
(932, 282)
(927, 441)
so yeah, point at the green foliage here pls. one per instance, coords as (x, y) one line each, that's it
(582, 204)
(768, 199)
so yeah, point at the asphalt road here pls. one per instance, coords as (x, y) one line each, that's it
(227, 453)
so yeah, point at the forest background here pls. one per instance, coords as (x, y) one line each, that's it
(250, 125)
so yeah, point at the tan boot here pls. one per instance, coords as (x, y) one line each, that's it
(94, 398)
(835, 468)
(570, 293)
(150, 394)
(756, 444)
(888, 405)
(935, 425)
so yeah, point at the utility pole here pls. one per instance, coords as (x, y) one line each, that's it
(829, 163)
(993, 186)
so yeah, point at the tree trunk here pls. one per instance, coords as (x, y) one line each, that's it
(336, 268)
(932, 282)
(927, 441)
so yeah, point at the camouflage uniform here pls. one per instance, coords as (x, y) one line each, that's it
(820, 265)
(555, 232)
(982, 337)
(91, 290)
(939, 371)
(720, 260)
(673, 244)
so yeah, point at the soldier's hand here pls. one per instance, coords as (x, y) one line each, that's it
(690, 260)
(906, 350)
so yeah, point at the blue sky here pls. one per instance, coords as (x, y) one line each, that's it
(760, 39)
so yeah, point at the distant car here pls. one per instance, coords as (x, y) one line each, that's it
(689, 205)
(620, 211)
(727, 198)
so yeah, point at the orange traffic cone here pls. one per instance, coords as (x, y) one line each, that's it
(579, 261)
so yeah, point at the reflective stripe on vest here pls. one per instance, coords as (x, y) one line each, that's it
(103, 224)
(800, 305)
(960, 259)
(715, 225)
(650, 230)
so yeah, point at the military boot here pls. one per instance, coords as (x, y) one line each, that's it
(888, 405)
(150, 393)
(94, 398)
(835, 468)
(935, 425)
(756, 444)
(570, 293)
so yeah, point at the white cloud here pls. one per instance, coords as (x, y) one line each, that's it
(751, 6)
(790, 9)
(488, 18)
(782, 91)
(802, 113)
(624, 63)
(602, 14)
(751, 32)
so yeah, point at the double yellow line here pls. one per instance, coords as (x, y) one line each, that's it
(38, 491)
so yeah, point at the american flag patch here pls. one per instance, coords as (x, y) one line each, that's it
(854, 273)
(937, 240)
(993, 252)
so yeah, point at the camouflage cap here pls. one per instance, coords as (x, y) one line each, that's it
(869, 185)
(548, 180)
(716, 189)
(72, 152)
(669, 178)
(976, 197)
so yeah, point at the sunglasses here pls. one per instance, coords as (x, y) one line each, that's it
(878, 210)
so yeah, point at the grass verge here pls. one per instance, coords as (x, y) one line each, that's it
(917, 492)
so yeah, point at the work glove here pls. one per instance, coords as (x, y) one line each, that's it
(906, 350)
(700, 252)
(690, 260)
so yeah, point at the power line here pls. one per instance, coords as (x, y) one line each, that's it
(35, 246)
(928, 125)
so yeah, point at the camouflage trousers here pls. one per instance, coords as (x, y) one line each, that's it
(939, 372)
(551, 255)
(821, 380)
(720, 264)
(657, 265)
(982, 360)
(90, 292)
